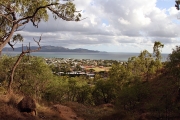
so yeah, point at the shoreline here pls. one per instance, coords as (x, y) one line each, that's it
(118, 56)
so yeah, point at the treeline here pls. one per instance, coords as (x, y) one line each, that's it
(142, 85)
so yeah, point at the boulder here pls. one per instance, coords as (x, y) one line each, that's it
(27, 104)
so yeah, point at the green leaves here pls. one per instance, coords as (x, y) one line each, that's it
(14, 14)
(156, 49)
(104, 92)
(17, 37)
(133, 96)
(174, 62)
(32, 76)
(135, 69)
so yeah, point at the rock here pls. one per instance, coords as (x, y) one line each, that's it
(27, 104)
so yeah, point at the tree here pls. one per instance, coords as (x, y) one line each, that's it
(15, 14)
(174, 64)
(157, 53)
(132, 97)
(18, 61)
(177, 4)
(6, 64)
(119, 74)
(33, 76)
(146, 63)
(104, 92)
(156, 50)
(57, 89)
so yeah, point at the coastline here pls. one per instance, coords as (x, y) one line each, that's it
(119, 56)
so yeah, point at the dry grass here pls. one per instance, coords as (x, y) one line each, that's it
(8, 108)
(98, 69)
(47, 113)
(91, 113)
(9, 111)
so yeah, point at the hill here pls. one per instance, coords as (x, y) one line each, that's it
(52, 49)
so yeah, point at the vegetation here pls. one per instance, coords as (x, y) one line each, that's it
(136, 88)
(14, 15)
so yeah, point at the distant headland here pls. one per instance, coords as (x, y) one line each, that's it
(53, 49)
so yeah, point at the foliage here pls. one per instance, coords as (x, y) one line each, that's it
(157, 53)
(15, 14)
(56, 90)
(68, 89)
(135, 69)
(135, 87)
(104, 92)
(31, 77)
(156, 50)
(174, 64)
(6, 63)
(118, 74)
(132, 97)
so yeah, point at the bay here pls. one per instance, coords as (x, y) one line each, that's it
(120, 56)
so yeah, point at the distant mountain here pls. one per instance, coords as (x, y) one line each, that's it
(52, 49)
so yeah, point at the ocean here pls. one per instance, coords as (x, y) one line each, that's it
(120, 56)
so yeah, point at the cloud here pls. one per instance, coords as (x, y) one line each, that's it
(111, 22)
(123, 21)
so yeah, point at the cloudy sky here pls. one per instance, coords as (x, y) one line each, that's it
(114, 26)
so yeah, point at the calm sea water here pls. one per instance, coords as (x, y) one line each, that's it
(96, 56)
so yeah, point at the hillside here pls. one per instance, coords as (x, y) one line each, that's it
(52, 49)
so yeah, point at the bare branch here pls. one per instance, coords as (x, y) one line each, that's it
(38, 43)
(12, 46)
(83, 19)
(34, 24)
(18, 61)
(39, 47)
(23, 23)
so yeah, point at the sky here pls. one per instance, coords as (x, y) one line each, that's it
(113, 26)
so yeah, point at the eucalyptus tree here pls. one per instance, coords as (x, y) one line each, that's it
(104, 92)
(32, 76)
(157, 53)
(15, 14)
(137, 68)
(6, 63)
(174, 63)
(140, 66)
(146, 63)
(157, 50)
(18, 61)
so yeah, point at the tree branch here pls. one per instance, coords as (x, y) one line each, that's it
(12, 46)
(10, 91)
(41, 7)
(6, 18)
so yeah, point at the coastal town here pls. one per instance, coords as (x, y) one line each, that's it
(78, 67)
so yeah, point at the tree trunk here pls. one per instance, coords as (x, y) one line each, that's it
(5, 42)
(10, 91)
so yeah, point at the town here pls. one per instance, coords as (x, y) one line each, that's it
(79, 67)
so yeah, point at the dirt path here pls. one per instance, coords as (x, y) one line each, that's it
(66, 112)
